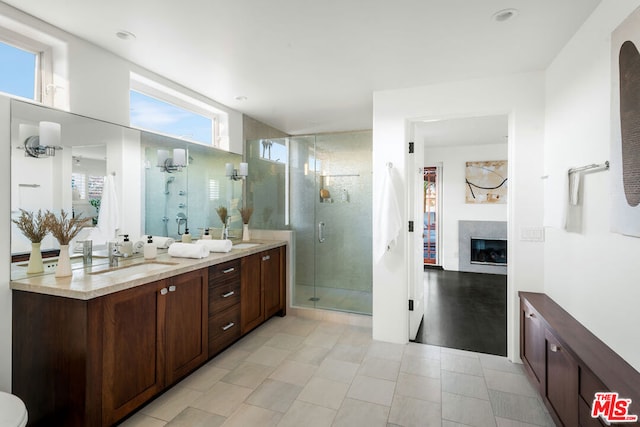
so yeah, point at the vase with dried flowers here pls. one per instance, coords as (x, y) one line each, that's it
(34, 227)
(223, 213)
(64, 229)
(245, 213)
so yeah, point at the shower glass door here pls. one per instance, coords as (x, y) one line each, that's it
(330, 189)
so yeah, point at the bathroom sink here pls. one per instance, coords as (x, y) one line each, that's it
(144, 267)
(245, 245)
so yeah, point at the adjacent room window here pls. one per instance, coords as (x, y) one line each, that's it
(160, 109)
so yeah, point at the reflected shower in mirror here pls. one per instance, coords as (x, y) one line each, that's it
(185, 185)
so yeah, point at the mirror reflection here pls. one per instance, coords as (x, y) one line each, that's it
(127, 181)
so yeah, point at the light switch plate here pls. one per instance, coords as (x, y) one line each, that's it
(532, 234)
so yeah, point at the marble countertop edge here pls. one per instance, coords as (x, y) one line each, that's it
(92, 282)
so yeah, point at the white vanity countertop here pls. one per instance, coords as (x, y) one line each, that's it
(100, 280)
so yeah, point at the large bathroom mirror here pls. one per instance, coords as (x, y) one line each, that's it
(116, 176)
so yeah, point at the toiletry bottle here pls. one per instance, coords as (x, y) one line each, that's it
(150, 249)
(206, 235)
(186, 237)
(127, 246)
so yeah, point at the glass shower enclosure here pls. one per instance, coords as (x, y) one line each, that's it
(320, 187)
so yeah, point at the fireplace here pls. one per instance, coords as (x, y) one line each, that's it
(482, 247)
(488, 251)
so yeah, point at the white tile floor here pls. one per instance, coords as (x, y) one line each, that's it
(295, 371)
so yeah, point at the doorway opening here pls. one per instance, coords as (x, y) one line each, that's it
(463, 308)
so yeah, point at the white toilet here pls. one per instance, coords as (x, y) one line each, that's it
(13, 413)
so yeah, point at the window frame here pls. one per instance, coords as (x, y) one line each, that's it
(44, 88)
(163, 93)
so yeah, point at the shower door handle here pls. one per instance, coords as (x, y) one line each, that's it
(321, 232)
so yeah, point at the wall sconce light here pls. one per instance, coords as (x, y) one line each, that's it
(172, 164)
(45, 144)
(236, 174)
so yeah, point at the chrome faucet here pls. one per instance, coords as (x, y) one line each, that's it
(87, 256)
(114, 254)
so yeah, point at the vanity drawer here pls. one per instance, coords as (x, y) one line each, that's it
(224, 329)
(225, 272)
(223, 296)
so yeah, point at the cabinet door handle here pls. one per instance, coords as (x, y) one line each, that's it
(555, 348)
(163, 291)
(229, 326)
(530, 315)
(228, 294)
(228, 270)
(266, 257)
(172, 288)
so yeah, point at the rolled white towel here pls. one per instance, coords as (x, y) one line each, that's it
(188, 250)
(160, 241)
(138, 246)
(216, 245)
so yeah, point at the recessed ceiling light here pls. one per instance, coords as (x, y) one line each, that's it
(125, 35)
(241, 98)
(505, 15)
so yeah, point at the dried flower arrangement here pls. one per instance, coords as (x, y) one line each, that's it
(245, 213)
(223, 214)
(63, 228)
(34, 227)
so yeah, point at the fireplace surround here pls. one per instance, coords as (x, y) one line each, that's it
(486, 241)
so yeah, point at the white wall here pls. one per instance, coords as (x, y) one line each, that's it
(94, 83)
(592, 273)
(522, 98)
(454, 208)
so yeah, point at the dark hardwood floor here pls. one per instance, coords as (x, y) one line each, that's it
(466, 311)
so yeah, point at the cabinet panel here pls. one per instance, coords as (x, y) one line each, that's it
(271, 279)
(561, 381)
(133, 349)
(186, 323)
(533, 343)
(252, 301)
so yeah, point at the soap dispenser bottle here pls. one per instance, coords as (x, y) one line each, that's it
(206, 235)
(127, 246)
(186, 237)
(150, 249)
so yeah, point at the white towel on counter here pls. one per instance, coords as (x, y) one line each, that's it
(188, 250)
(390, 217)
(161, 242)
(215, 245)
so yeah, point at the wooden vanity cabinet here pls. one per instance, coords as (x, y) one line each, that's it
(91, 363)
(262, 287)
(532, 344)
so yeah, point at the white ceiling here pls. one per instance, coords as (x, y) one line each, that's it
(308, 66)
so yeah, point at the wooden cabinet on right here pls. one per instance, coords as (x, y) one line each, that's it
(568, 364)
(262, 288)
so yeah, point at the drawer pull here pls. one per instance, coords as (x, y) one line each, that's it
(229, 270)
(555, 348)
(172, 288)
(530, 315)
(229, 326)
(228, 294)
(266, 257)
(163, 291)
